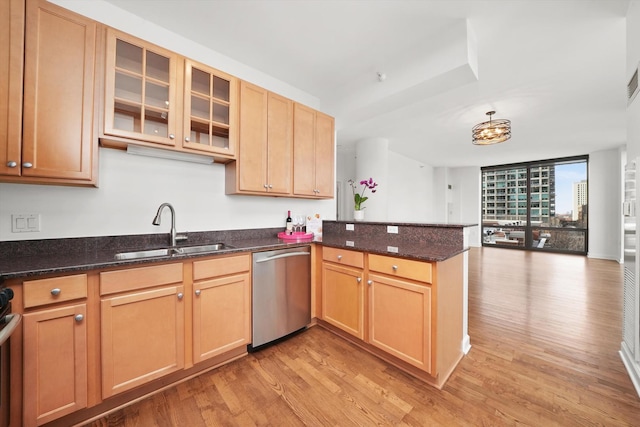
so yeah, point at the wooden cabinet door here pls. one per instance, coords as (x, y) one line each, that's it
(221, 315)
(252, 152)
(324, 155)
(55, 363)
(141, 101)
(210, 110)
(343, 298)
(304, 164)
(142, 337)
(11, 61)
(400, 319)
(58, 131)
(279, 142)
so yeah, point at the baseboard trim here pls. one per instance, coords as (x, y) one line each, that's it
(466, 344)
(633, 368)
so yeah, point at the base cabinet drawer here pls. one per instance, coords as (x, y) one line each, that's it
(55, 363)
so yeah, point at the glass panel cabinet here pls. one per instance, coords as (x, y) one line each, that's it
(209, 114)
(140, 90)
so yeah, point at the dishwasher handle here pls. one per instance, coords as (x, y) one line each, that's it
(287, 255)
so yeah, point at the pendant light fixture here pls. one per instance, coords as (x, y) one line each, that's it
(491, 132)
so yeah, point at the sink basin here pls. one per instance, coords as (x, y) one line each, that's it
(202, 248)
(173, 251)
(144, 254)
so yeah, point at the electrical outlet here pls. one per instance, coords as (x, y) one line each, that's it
(349, 243)
(392, 229)
(392, 249)
(25, 223)
(349, 227)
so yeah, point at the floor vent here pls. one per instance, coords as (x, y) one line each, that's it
(632, 87)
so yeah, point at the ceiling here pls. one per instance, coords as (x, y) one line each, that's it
(556, 68)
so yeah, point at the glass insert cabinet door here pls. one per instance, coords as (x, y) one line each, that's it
(140, 94)
(209, 113)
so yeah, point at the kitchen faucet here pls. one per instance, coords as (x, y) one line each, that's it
(156, 221)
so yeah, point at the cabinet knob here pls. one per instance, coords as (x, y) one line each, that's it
(198, 292)
(187, 139)
(27, 165)
(339, 257)
(180, 295)
(12, 164)
(394, 267)
(359, 279)
(270, 186)
(172, 136)
(266, 186)
(55, 292)
(79, 317)
(369, 282)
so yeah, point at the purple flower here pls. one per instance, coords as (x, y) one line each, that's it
(359, 198)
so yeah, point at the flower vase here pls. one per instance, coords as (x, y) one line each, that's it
(358, 215)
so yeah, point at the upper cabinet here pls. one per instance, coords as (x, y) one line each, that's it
(140, 92)
(265, 149)
(48, 136)
(313, 153)
(156, 98)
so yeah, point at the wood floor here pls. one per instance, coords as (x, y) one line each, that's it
(545, 332)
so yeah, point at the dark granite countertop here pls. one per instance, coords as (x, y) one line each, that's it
(85, 256)
(413, 250)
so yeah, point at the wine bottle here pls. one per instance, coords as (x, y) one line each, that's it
(289, 223)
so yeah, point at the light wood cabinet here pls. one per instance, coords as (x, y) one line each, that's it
(265, 149)
(313, 153)
(142, 328)
(55, 143)
(400, 319)
(221, 306)
(343, 290)
(156, 98)
(55, 349)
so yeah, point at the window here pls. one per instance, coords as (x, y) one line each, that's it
(537, 205)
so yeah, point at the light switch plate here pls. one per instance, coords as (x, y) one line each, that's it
(392, 229)
(25, 223)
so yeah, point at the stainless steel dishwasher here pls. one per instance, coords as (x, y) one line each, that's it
(281, 294)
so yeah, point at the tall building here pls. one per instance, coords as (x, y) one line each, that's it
(504, 195)
(579, 198)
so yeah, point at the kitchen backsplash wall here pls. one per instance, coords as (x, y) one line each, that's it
(131, 188)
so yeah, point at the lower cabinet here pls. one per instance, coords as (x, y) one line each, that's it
(221, 306)
(142, 325)
(55, 362)
(343, 298)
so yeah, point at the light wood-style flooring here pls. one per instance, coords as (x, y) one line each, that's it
(545, 332)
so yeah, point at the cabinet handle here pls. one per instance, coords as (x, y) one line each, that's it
(180, 295)
(198, 291)
(187, 139)
(79, 317)
(359, 279)
(394, 267)
(172, 136)
(55, 292)
(369, 282)
(339, 257)
(27, 165)
(12, 164)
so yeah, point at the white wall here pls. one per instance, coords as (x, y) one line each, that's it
(410, 190)
(132, 187)
(464, 200)
(633, 60)
(605, 205)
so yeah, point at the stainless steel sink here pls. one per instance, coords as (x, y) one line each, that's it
(145, 254)
(203, 248)
(173, 251)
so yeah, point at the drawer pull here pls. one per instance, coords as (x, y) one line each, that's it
(180, 295)
(55, 292)
(369, 282)
(79, 317)
(339, 257)
(394, 267)
(198, 292)
(359, 279)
